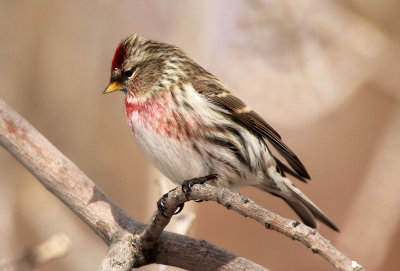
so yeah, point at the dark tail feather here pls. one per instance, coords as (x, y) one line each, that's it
(303, 212)
(315, 212)
(299, 199)
(300, 203)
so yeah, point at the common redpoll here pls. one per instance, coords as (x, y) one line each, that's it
(190, 124)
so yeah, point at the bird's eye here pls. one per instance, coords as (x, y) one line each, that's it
(130, 72)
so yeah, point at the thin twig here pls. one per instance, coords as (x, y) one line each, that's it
(248, 208)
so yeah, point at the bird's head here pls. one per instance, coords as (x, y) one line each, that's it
(143, 68)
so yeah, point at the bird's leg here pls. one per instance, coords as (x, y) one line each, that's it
(188, 184)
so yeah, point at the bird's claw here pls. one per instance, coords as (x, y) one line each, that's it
(188, 184)
(180, 208)
(161, 206)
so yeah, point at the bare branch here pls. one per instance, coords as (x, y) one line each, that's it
(67, 182)
(248, 208)
(55, 247)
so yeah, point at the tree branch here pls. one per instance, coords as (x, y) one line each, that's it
(248, 208)
(133, 244)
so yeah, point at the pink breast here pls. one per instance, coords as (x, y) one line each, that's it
(156, 115)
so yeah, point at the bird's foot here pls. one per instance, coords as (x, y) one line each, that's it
(188, 184)
(161, 206)
(186, 187)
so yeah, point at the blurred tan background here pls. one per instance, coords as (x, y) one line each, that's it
(324, 73)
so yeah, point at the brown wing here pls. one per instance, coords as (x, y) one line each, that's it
(250, 119)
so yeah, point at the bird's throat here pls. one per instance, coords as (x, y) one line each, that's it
(152, 113)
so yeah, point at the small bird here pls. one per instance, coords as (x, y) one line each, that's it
(190, 124)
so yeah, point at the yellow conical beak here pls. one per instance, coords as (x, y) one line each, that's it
(114, 86)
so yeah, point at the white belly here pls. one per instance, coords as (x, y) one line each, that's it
(175, 159)
(179, 161)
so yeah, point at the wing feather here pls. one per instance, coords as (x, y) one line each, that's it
(218, 94)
